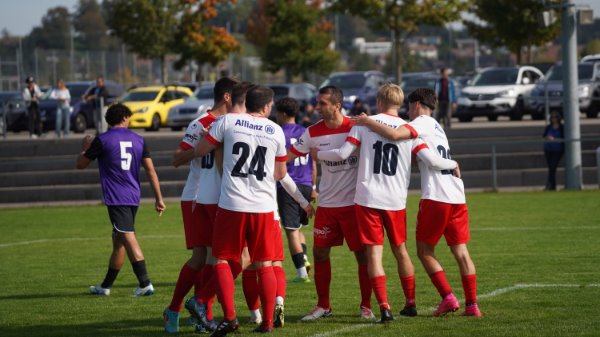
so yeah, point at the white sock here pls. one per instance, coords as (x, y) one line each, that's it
(279, 300)
(302, 272)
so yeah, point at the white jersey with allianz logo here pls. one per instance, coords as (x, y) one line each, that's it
(437, 185)
(384, 169)
(251, 145)
(337, 185)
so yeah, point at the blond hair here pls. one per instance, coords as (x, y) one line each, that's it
(391, 96)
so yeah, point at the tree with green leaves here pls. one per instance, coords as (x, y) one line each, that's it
(292, 35)
(147, 27)
(402, 17)
(90, 27)
(505, 23)
(196, 40)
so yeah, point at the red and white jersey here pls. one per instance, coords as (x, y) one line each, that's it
(384, 166)
(204, 182)
(436, 185)
(338, 178)
(251, 145)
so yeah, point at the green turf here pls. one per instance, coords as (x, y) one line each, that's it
(536, 254)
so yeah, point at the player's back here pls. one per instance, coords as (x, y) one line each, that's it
(251, 145)
(384, 166)
(437, 185)
(301, 168)
(119, 165)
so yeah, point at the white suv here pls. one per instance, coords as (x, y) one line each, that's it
(497, 91)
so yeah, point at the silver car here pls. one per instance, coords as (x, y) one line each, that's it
(193, 107)
(588, 91)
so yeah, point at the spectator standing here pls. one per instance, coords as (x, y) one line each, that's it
(31, 96)
(553, 149)
(98, 96)
(63, 109)
(446, 95)
(309, 116)
(358, 108)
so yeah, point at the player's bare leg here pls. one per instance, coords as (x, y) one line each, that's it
(406, 272)
(437, 275)
(378, 281)
(115, 263)
(136, 257)
(468, 279)
(295, 239)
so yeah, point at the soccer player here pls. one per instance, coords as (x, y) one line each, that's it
(198, 203)
(442, 209)
(254, 158)
(381, 191)
(303, 171)
(120, 153)
(335, 219)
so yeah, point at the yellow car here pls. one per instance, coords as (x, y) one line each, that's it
(150, 105)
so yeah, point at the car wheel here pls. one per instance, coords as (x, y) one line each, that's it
(176, 128)
(80, 124)
(492, 118)
(517, 113)
(465, 118)
(155, 124)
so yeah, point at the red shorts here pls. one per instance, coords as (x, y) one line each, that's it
(235, 229)
(372, 221)
(333, 225)
(198, 220)
(437, 218)
(277, 243)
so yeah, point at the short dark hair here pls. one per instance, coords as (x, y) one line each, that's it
(425, 96)
(336, 94)
(116, 113)
(223, 86)
(238, 92)
(257, 97)
(288, 106)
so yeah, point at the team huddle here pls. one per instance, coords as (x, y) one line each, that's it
(250, 176)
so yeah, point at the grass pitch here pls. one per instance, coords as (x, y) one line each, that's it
(537, 258)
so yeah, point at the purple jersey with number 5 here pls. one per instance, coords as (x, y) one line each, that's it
(119, 152)
(301, 168)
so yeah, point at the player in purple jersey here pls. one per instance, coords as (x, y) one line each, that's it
(303, 172)
(120, 153)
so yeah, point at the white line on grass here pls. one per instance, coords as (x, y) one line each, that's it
(493, 293)
(31, 242)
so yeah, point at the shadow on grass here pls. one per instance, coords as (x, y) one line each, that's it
(151, 327)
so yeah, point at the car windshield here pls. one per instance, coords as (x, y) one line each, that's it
(418, 82)
(584, 72)
(280, 91)
(349, 81)
(205, 93)
(139, 96)
(77, 90)
(496, 77)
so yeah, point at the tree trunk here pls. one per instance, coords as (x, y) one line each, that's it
(163, 69)
(397, 45)
(518, 54)
(288, 75)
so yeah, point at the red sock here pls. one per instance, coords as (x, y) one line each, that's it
(408, 286)
(267, 285)
(236, 268)
(365, 286)
(380, 290)
(281, 282)
(469, 283)
(322, 282)
(250, 287)
(440, 282)
(183, 285)
(202, 278)
(225, 289)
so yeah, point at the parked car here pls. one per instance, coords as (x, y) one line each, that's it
(358, 84)
(13, 111)
(591, 58)
(301, 92)
(82, 112)
(412, 82)
(150, 105)
(193, 107)
(588, 91)
(497, 91)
